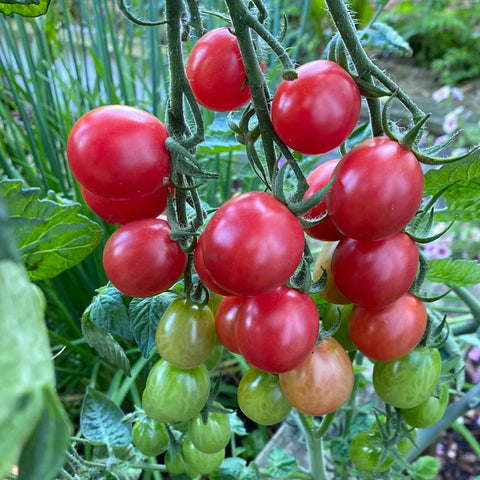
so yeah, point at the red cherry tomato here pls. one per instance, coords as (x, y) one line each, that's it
(326, 229)
(141, 260)
(316, 112)
(252, 244)
(377, 189)
(276, 331)
(118, 151)
(225, 322)
(375, 273)
(387, 333)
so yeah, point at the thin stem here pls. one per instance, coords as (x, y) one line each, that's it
(467, 435)
(470, 301)
(127, 13)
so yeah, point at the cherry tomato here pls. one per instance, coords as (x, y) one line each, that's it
(141, 260)
(117, 151)
(150, 437)
(225, 322)
(409, 380)
(199, 461)
(317, 179)
(175, 462)
(390, 332)
(276, 331)
(212, 436)
(252, 244)
(323, 382)
(330, 319)
(324, 262)
(430, 411)
(174, 394)
(185, 334)
(124, 210)
(375, 273)
(316, 112)
(365, 452)
(216, 72)
(261, 399)
(377, 189)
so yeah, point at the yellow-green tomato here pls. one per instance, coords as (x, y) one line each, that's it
(185, 335)
(150, 437)
(212, 436)
(199, 461)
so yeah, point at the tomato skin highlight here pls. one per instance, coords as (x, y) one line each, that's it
(216, 72)
(375, 273)
(317, 111)
(141, 260)
(276, 331)
(377, 190)
(390, 332)
(323, 382)
(117, 151)
(252, 244)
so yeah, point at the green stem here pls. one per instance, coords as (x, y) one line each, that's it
(470, 301)
(467, 435)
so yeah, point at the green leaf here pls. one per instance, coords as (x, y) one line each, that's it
(235, 468)
(104, 343)
(45, 451)
(101, 421)
(383, 37)
(117, 458)
(51, 233)
(236, 425)
(220, 143)
(144, 314)
(458, 273)
(108, 312)
(26, 8)
(280, 464)
(425, 468)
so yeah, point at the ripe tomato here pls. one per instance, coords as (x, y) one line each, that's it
(324, 262)
(325, 230)
(377, 189)
(150, 437)
(375, 273)
(198, 461)
(252, 244)
(316, 112)
(225, 322)
(430, 411)
(260, 397)
(365, 452)
(276, 331)
(118, 151)
(390, 332)
(174, 394)
(409, 380)
(216, 72)
(330, 318)
(141, 260)
(213, 436)
(185, 334)
(323, 382)
(124, 210)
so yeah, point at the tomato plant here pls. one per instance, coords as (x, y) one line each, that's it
(185, 335)
(377, 189)
(260, 397)
(314, 387)
(216, 72)
(389, 332)
(366, 452)
(318, 110)
(150, 437)
(287, 318)
(252, 244)
(225, 322)
(409, 380)
(141, 260)
(375, 273)
(199, 461)
(174, 394)
(118, 151)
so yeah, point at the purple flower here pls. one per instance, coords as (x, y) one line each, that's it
(474, 354)
(441, 94)
(450, 122)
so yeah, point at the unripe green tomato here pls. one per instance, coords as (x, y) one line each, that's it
(174, 394)
(260, 397)
(430, 411)
(214, 358)
(213, 436)
(150, 437)
(330, 318)
(175, 462)
(214, 301)
(199, 461)
(185, 335)
(365, 452)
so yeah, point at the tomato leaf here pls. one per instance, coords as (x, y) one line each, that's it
(120, 469)
(384, 37)
(144, 314)
(100, 421)
(458, 273)
(51, 233)
(235, 468)
(26, 8)
(425, 468)
(108, 312)
(280, 464)
(104, 343)
(220, 143)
